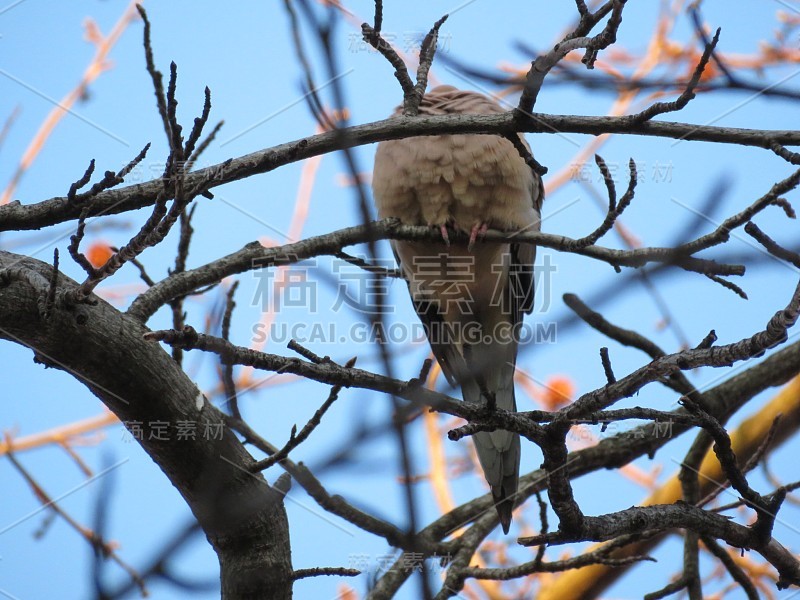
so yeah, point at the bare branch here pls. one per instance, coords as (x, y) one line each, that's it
(254, 255)
(16, 216)
(659, 108)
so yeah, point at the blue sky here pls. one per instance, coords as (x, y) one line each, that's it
(243, 52)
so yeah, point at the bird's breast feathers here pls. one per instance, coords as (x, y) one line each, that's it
(462, 180)
(459, 179)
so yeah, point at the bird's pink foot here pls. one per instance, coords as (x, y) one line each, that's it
(445, 235)
(479, 229)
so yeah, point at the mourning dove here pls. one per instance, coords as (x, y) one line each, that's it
(471, 300)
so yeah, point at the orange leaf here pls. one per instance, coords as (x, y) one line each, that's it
(559, 390)
(99, 253)
(346, 592)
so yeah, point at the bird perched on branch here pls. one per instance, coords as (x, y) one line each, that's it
(471, 299)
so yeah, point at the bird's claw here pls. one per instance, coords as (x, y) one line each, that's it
(479, 229)
(445, 235)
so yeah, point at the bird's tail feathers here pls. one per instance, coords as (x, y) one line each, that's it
(498, 451)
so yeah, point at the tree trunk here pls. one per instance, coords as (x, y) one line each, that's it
(242, 516)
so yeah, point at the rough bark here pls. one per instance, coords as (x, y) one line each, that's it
(242, 516)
